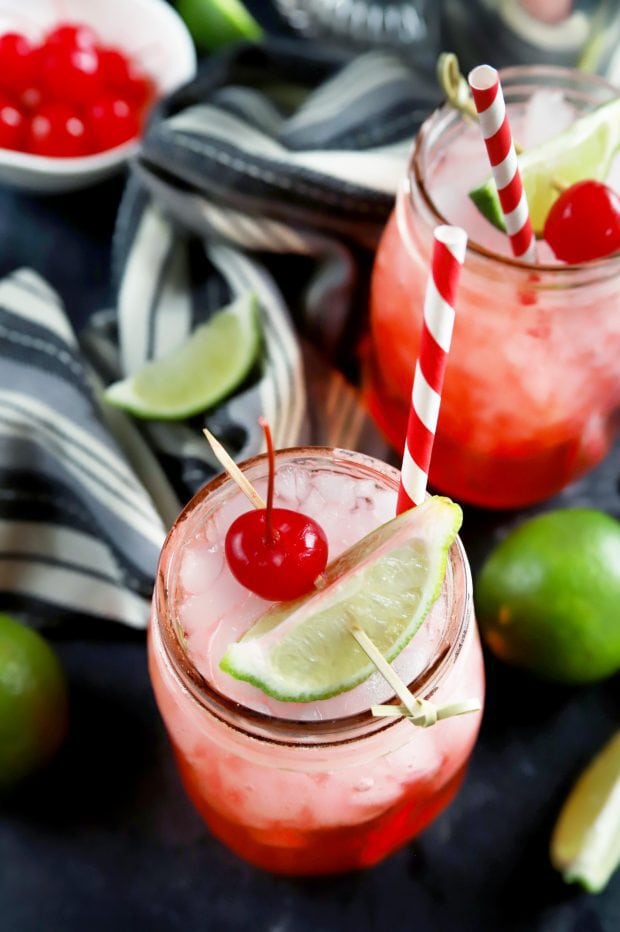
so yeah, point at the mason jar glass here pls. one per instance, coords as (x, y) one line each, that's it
(531, 396)
(322, 794)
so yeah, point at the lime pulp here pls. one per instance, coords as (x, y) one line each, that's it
(585, 845)
(385, 585)
(199, 374)
(584, 150)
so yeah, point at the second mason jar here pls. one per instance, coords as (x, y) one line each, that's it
(531, 395)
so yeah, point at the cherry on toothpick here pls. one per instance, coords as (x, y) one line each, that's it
(584, 222)
(275, 552)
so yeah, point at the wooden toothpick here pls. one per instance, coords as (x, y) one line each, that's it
(454, 85)
(233, 470)
(419, 711)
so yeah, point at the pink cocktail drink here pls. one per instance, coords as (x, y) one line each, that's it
(306, 788)
(531, 394)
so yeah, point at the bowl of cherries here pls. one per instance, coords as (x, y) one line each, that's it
(77, 82)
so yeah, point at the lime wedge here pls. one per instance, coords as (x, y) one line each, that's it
(585, 150)
(585, 845)
(216, 23)
(210, 365)
(385, 585)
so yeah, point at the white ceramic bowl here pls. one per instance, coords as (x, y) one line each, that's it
(150, 31)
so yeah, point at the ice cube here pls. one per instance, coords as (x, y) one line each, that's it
(201, 566)
(547, 114)
(291, 487)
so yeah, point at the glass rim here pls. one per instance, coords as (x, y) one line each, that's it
(284, 731)
(415, 170)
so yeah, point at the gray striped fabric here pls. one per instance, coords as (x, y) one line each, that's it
(279, 163)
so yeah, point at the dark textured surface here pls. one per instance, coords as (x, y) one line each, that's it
(105, 840)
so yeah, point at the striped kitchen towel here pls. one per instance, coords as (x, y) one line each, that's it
(272, 173)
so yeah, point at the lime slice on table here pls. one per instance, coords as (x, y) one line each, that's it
(210, 365)
(585, 845)
(216, 23)
(385, 585)
(585, 150)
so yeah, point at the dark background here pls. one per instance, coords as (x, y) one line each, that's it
(104, 839)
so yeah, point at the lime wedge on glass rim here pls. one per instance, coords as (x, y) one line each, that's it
(385, 585)
(204, 370)
(584, 150)
(585, 845)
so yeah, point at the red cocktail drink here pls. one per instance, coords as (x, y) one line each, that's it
(531, 393)
(314, 787)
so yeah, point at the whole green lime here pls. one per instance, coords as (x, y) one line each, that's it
(33, 701)
(548, 596)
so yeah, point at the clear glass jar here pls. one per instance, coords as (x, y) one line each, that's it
(317, 796)
(531, 394)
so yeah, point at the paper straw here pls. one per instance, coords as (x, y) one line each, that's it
(489, 100)
(448, 255)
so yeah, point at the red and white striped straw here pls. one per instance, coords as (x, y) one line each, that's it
(489, 100)
(448, 255)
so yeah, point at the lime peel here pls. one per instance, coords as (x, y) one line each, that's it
(585, 845)
(385, 585)
(216, 23)
(33, 702)
(215, 359)
(584, 150)
(547, 596)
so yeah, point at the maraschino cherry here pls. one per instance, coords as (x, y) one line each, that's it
(18, 62)
(69, 96)
(71, 35)
(584, 222)
(12, 125)
(112, 121)
(57, 130)
(275, 552)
